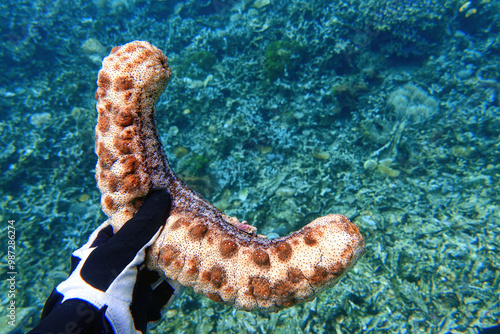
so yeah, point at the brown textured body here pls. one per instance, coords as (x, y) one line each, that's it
(200, 246)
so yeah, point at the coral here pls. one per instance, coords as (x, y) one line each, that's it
(203, 59)
(210, 7)
(200, 246)
(279, 59)
(348, 93)
(115, 7)
(384, 167)
(412, 104)
(405, 29)
(196, 165)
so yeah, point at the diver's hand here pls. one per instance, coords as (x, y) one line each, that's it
(108, 272)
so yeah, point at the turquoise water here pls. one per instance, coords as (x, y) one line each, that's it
(277, 112)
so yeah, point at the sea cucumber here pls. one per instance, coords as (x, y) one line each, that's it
(200, 246)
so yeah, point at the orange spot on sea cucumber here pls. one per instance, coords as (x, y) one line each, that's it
(168, 254)
(123, 145)
(214, 296)
(309, 239)
(260, 258)
(131, 182)
(124, 118)
(260, 287)
(130, 164)
(124, 83)
(109, 203)
(228, 248)
(103, 81)
(320, 275)
(295, 275)
(284, 251)
(199, 231)
(217, 276)
(103, 123)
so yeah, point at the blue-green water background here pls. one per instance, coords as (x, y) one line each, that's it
(277, 112)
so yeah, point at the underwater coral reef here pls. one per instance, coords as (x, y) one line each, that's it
(276, 112)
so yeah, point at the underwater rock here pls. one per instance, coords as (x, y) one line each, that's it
(385, 168)
(462, 151)
(94, 50)
(285, 192)
(180, 151)
(370, 164)
(261, 3)
(40, 120)
(321, 155)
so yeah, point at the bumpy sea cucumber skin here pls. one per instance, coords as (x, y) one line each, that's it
(200, 246)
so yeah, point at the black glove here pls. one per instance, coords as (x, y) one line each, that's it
(108, 273)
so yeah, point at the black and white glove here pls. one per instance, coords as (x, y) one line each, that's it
(109, 288)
